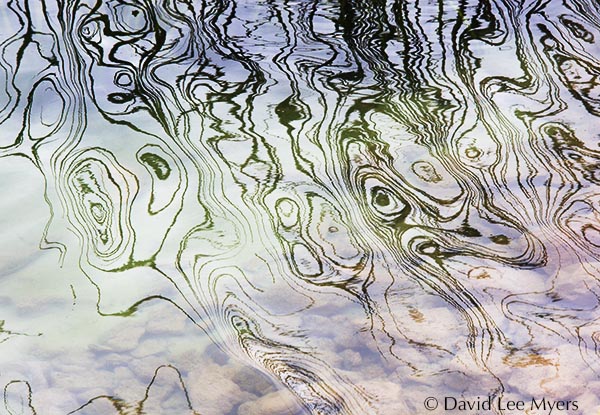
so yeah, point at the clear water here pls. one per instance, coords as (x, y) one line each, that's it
(299, 207)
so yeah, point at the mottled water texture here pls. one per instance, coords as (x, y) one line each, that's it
(298, 207)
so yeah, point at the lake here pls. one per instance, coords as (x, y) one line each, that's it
(238, 207)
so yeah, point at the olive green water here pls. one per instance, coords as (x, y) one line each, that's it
(299, 207)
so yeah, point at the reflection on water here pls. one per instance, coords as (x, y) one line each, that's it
(326, 207)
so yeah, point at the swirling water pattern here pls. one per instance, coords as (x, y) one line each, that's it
(367, 203)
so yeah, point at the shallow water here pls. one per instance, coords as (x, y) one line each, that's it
(299, 207)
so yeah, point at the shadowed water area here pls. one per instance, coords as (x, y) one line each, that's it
(299, 207)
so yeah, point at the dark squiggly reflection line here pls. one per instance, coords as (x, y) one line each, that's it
(18, 401)
(101, 404)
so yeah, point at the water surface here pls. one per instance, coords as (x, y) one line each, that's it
(298, 207)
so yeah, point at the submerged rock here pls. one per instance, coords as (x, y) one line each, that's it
(281, 402)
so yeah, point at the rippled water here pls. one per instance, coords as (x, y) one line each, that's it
(298, 207)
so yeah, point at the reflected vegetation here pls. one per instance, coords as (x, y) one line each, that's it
(363, 203)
